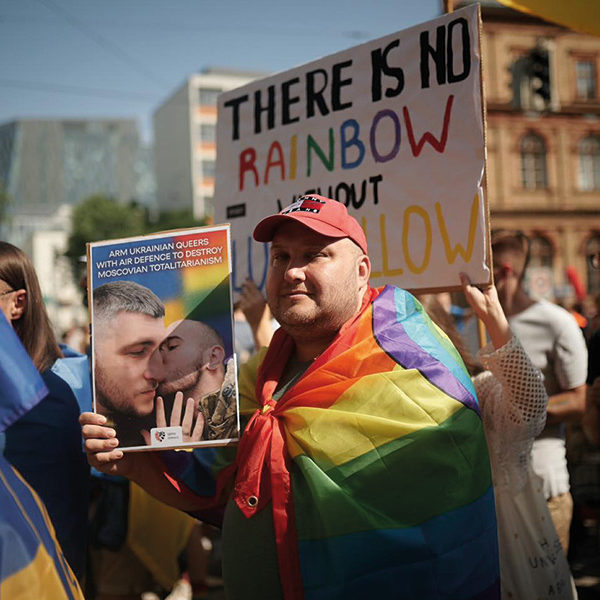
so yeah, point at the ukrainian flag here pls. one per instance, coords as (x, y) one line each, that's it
(32, 564)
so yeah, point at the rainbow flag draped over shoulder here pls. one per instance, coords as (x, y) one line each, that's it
(32, 564)
(374, 464)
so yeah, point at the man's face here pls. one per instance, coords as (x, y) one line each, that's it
(128, 367)
(314, 282)
(181, 354)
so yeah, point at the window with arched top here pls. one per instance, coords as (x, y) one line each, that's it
(533, 162)
(592, 250)
(589, 163)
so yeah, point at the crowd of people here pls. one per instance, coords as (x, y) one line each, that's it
(377, 458)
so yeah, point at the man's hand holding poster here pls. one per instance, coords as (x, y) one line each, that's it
(162, 338)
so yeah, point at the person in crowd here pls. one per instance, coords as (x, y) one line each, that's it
(556, 346)
(32, 563)
(193, 357)
(44, 445)
(591, 420)
(363, 468)
(128, 328)
(513, 404)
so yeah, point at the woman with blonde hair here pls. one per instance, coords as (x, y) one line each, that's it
(45, 445)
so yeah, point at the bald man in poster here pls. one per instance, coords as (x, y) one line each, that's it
(193, 357)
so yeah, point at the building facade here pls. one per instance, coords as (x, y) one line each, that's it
(50, 163)
(185, 148)
(48, 166)
(543, 144)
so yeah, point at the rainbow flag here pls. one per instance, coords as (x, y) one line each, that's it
(32, 564)
(374, 464)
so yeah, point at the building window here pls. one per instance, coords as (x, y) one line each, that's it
(208, 96)
(208, 132)
(208, 168)
(589, 163)
(585, 77)
(533, 162)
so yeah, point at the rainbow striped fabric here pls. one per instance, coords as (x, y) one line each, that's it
(32, 564)
(374, 464)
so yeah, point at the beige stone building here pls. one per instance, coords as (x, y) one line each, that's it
(544, 148)
(185, 140)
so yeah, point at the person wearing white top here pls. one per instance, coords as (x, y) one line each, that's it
(513, 404)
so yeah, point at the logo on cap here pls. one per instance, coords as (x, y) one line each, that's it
(304, 204)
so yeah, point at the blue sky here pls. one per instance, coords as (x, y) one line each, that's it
(122, 58)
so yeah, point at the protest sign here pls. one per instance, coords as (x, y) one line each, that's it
(162, 338)
(393, 128)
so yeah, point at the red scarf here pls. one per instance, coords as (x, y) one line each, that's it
(262, 459)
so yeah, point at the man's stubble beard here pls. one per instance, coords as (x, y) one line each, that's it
(320, 322)
(181, 381)
(107, 390)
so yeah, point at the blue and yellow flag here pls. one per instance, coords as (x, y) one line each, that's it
(32, 564)
(21, 386)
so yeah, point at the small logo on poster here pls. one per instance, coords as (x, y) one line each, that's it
(166, 436)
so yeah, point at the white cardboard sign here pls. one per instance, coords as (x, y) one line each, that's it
(393, 128)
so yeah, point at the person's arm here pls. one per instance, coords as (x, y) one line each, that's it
(570, 366)
(103, 453)
(257, 313)
(486, 306)
(523, 396)
(567, 406)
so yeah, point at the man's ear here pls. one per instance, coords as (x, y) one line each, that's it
(18, 303)
(364, 270)
(216, 357)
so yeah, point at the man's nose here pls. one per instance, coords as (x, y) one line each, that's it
(155, 369)
(295, 272)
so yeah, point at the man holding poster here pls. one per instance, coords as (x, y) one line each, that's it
(129, 327)
(363, 469)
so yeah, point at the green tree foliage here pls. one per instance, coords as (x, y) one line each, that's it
(101, 218)
(174, 219)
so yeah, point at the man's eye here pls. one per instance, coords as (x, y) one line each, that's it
(278, 258)
(138, 351)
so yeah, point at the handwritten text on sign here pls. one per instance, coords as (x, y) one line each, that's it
(392, 128)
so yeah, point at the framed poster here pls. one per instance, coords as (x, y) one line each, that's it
(164, 371)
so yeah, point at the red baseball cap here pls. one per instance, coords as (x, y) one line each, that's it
(323, 215)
